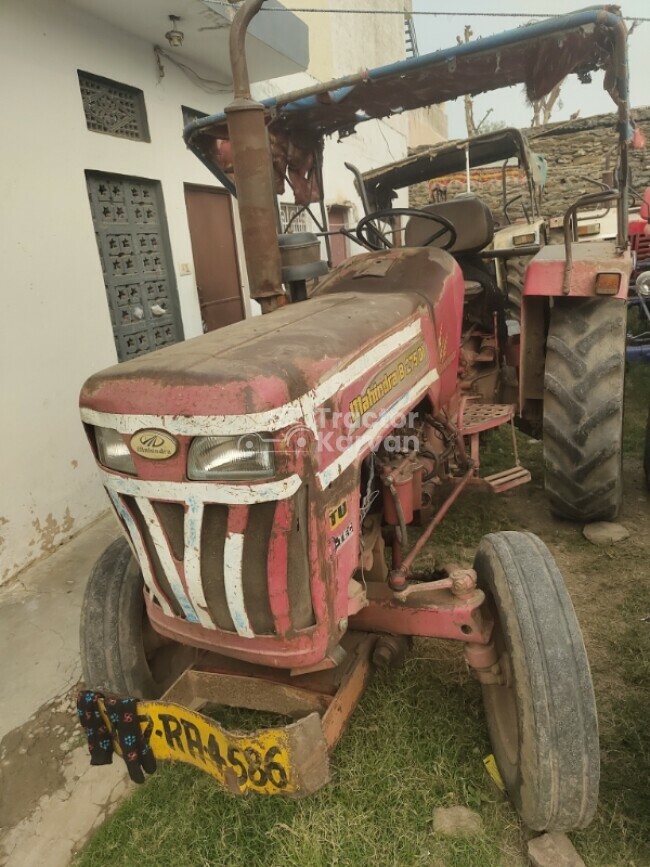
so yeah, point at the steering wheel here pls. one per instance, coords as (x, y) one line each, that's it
(363, 224)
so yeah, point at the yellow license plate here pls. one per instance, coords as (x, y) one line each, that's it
(257, 762)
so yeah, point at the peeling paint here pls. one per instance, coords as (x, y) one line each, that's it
(51, 533)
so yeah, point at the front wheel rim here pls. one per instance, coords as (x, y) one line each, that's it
(500, 699)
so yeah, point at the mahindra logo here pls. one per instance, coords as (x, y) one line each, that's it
(152, 441)
(156, 445)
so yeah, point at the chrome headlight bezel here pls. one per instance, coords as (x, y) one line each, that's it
(113, 452)
(642, 284)
(239, 458)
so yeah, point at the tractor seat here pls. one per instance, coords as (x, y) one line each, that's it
(472, 220)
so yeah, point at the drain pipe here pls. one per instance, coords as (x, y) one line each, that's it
(253, 168)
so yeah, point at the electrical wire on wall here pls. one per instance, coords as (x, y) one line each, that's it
(207, 84)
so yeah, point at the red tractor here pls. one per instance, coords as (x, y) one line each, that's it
(267, 476)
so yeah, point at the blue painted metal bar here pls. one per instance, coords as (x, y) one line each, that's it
(339, 105)
(338, 89)
(638, 353)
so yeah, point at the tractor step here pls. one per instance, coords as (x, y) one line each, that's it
(478, 417)
(473, 419)
(508, 479)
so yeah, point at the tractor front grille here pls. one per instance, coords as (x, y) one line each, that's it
(238, 568)
(255, 566)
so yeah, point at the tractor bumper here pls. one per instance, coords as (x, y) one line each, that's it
(290, 760)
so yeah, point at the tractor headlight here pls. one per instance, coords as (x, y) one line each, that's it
(112, 451)
(231, 459)
(643, 284)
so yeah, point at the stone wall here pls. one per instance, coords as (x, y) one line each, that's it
(573, 150)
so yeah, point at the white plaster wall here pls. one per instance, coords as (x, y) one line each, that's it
(55, 326)
(427, 125)
(345, 43)
(340, 45)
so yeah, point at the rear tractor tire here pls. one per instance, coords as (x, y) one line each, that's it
(120, 652)
(583, 408)
(542, 717)
(515, 273)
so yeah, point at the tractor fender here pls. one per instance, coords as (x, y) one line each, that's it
(545, 274)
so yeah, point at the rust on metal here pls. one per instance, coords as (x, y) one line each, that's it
(349, 693)
(198, 688)
(429, 609)
(399, 577)
(552, 273)
(290, 760)
(253, 167)
(485, 664)
(570, 227)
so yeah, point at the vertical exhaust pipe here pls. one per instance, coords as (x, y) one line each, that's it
(253, 168)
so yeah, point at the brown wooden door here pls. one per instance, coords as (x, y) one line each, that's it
(338, 219)
(209, 214)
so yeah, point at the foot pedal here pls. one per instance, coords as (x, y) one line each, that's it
(508, 479)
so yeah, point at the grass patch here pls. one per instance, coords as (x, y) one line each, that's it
(637, 404)
(418, 737)
(619, 834)
(416, 742)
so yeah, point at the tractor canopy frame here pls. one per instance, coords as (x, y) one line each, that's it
(456, 157)
(537, 55)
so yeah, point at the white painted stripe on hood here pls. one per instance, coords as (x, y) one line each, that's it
(214, 492)
(300, 410)
(232, 575)
(192, 525)
(140, 552)
(346, 458)
(166, 559)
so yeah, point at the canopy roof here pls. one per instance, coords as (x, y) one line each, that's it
(448, 158)
(537, 55)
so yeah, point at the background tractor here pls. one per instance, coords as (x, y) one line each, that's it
(564, 353)
(268, 476)
(500, 160)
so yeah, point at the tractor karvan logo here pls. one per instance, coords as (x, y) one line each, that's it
(154, 444)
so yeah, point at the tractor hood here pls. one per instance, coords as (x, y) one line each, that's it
(537, 55)
(267, 362)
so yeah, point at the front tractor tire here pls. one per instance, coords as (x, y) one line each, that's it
(120, 652)
(541, 716)
(583, 408)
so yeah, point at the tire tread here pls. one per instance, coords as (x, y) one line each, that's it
(583, 408)
(545, 633)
